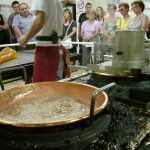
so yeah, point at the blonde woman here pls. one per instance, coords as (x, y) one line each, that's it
(100, 14)
(69, 28)
(90, 30)
(110, 26)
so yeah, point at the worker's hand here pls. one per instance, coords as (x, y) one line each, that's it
(23, 41)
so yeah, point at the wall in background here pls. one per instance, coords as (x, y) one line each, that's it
(104, 3)
(5, 6)
(6, 10)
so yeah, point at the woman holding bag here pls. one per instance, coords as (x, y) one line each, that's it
(69, 29)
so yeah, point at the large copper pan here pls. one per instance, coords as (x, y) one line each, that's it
(30, 93)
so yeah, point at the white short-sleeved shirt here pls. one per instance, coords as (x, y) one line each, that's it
(54, 18)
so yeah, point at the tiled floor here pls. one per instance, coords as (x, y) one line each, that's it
(12, 84)
(20, 82)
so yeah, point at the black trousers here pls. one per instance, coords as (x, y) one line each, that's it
(4, 38)
(80, 50)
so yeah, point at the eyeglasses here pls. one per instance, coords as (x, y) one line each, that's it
(135, 6)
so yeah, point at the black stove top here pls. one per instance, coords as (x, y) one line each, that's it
(130, 126)
(130, 129)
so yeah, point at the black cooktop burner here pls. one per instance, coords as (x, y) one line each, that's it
(130, 129)
(130, 126)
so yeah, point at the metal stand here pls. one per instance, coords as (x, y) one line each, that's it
(11, 70)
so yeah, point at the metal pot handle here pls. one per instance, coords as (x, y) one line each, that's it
(112, 86)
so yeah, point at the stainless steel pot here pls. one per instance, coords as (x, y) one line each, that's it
(129, 49)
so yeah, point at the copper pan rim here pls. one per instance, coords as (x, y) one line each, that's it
(116, 75)
(59, 123)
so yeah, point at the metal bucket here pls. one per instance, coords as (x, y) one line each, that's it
(129, 49)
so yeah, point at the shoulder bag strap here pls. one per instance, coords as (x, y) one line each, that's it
(68, 28)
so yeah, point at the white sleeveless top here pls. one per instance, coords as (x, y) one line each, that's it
(136, 23)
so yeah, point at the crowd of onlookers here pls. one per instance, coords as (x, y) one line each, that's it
(17, 25)
(94, 26)
(110, 23)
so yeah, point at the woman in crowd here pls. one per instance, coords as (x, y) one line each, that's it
(140, 21)
(5, 34)
(122, 23)
(69, 29)
(90, 30)
(110, 27)
(100, 14)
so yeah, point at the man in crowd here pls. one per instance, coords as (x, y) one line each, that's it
(15, 6)
(23, 21)
(83, 17)
(49, 61)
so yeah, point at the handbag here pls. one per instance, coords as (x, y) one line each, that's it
(65, 43)
(88, 45)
